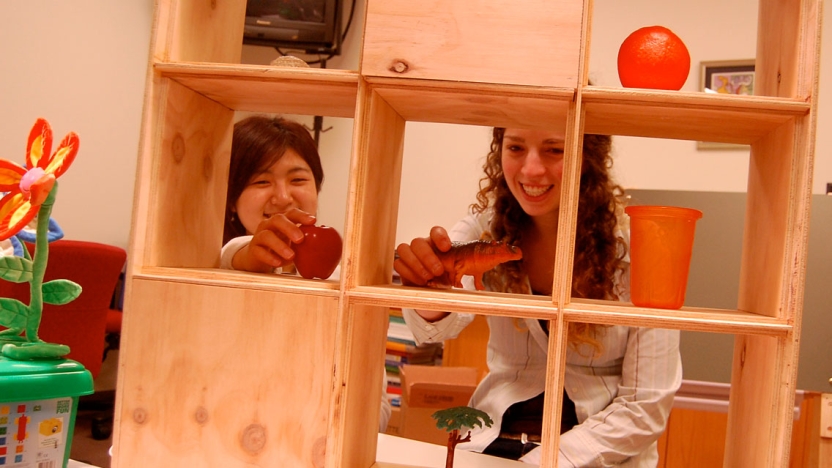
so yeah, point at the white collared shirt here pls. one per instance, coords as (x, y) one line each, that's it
(623, 396)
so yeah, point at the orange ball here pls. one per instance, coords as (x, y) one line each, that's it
(653, 57)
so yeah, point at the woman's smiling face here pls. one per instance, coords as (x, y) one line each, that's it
(533, 167)
(287, 184)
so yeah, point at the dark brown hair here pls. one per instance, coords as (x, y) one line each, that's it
(258, 143)
(598, 251)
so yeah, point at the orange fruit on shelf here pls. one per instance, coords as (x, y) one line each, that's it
(653, 57)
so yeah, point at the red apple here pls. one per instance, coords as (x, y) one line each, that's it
(319, 253)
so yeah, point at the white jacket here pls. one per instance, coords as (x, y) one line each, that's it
(622, 397)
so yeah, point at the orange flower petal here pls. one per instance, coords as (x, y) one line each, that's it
(10, 175)
(64, 155)
(39, 144)
(15, 214)
(10, 200)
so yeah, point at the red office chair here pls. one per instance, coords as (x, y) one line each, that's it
(80, 324)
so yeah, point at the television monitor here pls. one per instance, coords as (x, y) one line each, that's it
(313, 26)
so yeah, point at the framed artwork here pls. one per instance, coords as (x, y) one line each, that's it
(726, 77)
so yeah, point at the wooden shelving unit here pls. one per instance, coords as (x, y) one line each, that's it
(224, 368)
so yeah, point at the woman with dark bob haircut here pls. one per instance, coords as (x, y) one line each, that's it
(273, 184)
(258, 143)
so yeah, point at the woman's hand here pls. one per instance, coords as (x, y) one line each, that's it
(417, 262)
(271, 245)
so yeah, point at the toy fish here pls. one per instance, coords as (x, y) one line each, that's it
(472, 258)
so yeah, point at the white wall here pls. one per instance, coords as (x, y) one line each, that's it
(449, 157)
(336, 141)
(712, 30)
(82, 66)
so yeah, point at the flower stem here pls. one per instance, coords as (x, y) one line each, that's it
(39, 262)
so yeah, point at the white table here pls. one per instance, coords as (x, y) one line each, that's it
(397, 452)
(76, 464)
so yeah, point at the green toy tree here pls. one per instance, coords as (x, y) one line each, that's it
(31, 191)
(455, 419)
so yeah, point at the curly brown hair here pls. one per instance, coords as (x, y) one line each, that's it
(598, 251)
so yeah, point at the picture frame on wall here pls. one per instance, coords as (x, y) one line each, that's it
(726, 77)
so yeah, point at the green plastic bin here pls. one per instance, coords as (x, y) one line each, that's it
(38, 404)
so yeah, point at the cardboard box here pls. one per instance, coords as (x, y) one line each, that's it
(395, 422)
(427, 389)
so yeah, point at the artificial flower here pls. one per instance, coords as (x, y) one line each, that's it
(28, 188)
(13, 246)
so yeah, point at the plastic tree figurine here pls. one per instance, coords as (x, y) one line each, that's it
(31, 191)
(456, 418)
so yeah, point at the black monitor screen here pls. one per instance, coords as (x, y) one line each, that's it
(311, 25)
(292, 10)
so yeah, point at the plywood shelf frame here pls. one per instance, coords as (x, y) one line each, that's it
(500, 105)
(197, 31)
(213, 370)
(788, 48)
(393, 102)
(686, 116)
(457, 40)
(579, 310)
(240, 279)
(269, 89)
(184, 179)
(781, 112)
(373, 198)
(361, 344)
(687, 318)
(564, 261)
(481, 302)
(764, 369)
(777, 222)
(193, 91)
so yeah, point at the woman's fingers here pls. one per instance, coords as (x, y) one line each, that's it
(271, 244)
(285, 225)
(408, 276)
(440, 238)
(422, 249)
(408, 267)
(270, 248)
(298, 216)
(417, 262)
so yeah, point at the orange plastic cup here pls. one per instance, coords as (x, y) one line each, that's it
(661, 243)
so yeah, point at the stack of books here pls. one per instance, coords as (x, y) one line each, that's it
(402, 349)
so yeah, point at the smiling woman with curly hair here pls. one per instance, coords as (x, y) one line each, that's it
(598, 249)
(619, 381)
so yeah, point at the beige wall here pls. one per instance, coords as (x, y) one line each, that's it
(712, 29)
(82, 65)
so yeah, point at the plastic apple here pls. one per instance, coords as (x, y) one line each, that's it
(319, 253)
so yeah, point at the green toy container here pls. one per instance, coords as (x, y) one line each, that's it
(38, 404)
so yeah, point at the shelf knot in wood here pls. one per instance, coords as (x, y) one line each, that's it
(253, 439)
(140, 415)
(399, 66)
(201, 415)
(177, 148)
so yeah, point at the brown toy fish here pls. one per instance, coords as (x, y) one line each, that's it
(472, 258)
